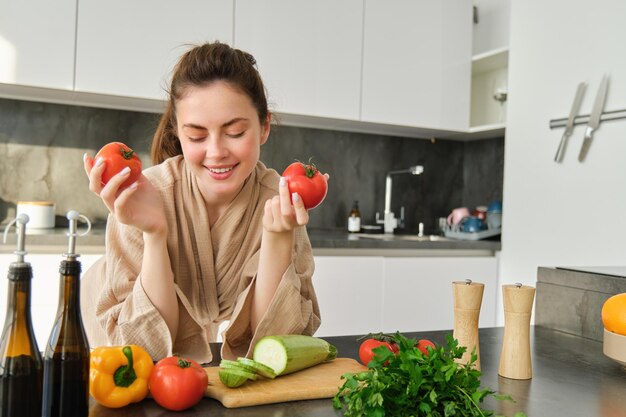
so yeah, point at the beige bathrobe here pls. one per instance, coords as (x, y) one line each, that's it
(214, 272)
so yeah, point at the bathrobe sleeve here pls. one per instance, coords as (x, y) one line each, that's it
(293, 309)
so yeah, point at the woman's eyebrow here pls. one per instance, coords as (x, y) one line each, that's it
(233, 121)
(194, 126)
(228, 123)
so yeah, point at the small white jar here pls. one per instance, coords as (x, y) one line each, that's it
(40, 213)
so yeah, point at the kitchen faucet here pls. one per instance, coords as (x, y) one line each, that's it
(390, 221)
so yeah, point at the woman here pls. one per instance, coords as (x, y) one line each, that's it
(208, 233)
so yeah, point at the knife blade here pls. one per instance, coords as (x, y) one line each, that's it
(594, 118)
(569, 127)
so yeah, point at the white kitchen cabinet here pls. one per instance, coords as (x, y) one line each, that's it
(308, 53)
(128, 48)
(490, 64)
(44, 289)
(491, 26)
(363, 294)
(418, 294)
(349, 293)
(37, 43)
(489, 89)
(416, 63)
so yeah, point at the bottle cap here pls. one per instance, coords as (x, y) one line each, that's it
(73, 217)
(20, 271)
(20, 223)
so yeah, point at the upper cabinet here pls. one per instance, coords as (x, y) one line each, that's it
(398, 67)
(37, 43)
(308, 53)
(490, 64)
(128, 48)
(416, 63)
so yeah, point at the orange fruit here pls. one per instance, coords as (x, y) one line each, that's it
(614, 314)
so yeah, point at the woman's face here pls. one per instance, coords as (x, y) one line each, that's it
(221, 137)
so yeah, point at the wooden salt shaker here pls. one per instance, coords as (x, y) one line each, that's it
(468, 297)
(515, 360)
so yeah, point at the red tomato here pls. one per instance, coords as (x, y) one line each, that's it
(308, 182)
(368, 345)
(117, 156)
(423, 344)
(177, 383)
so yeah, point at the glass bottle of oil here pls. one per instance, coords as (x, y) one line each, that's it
(66, 359)
(21, 368)
(354, 219)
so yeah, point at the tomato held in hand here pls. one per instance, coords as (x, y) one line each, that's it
(177, 383)
(308, 182)
(117, 156)
(424, 344)
(366, 349)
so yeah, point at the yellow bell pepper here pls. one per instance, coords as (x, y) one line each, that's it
(119, 375)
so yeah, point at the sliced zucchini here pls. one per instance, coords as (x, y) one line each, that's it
(248, 371)
(258, 367)
(233, 378)
(290, 353)
(225, 363)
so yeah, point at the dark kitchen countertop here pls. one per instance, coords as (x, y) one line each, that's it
(352, 242)
(324, 241)
(571, 377)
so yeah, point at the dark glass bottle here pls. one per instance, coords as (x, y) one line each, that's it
(21, 368)
(66, 359)
(354, 218)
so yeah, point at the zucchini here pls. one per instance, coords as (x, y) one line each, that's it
(243, 370)
(226, 364)
(293, 352)
(233, 378)
(258, 367)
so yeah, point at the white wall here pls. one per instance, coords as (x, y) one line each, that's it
(571, 213)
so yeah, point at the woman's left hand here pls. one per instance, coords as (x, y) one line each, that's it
(281, 215)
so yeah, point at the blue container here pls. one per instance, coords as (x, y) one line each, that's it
(494, 207)
(472, 224)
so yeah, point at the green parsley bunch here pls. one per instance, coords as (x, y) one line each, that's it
(412, 384)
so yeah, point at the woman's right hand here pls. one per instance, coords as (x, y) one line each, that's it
(138, 205)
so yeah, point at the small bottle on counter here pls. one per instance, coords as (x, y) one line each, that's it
(66, 359)
(21, 368)
(354, 220)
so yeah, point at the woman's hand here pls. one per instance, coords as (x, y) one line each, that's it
(138, 205)
(281, 215)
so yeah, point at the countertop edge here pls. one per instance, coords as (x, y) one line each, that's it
(324, 243)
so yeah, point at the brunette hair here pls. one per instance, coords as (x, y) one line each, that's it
(200, 66)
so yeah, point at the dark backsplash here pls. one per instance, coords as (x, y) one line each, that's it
(455, 173)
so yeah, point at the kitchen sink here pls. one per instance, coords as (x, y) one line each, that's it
(415, 238)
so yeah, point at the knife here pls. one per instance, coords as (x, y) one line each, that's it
(594, 119)
(569, 127)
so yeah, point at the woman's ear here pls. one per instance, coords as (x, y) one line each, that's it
(265, 128)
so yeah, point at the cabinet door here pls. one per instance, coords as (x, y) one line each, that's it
(416, 63)
(348, 291)
(128, 48)
(418, 291)
(37, 43)
(492, 30)
(308, 53)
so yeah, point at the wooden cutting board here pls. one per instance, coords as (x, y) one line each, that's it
(320, 381)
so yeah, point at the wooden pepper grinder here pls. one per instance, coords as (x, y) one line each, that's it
(468, 297)
(515, 360)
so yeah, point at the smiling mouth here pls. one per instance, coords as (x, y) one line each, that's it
(221, 170)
